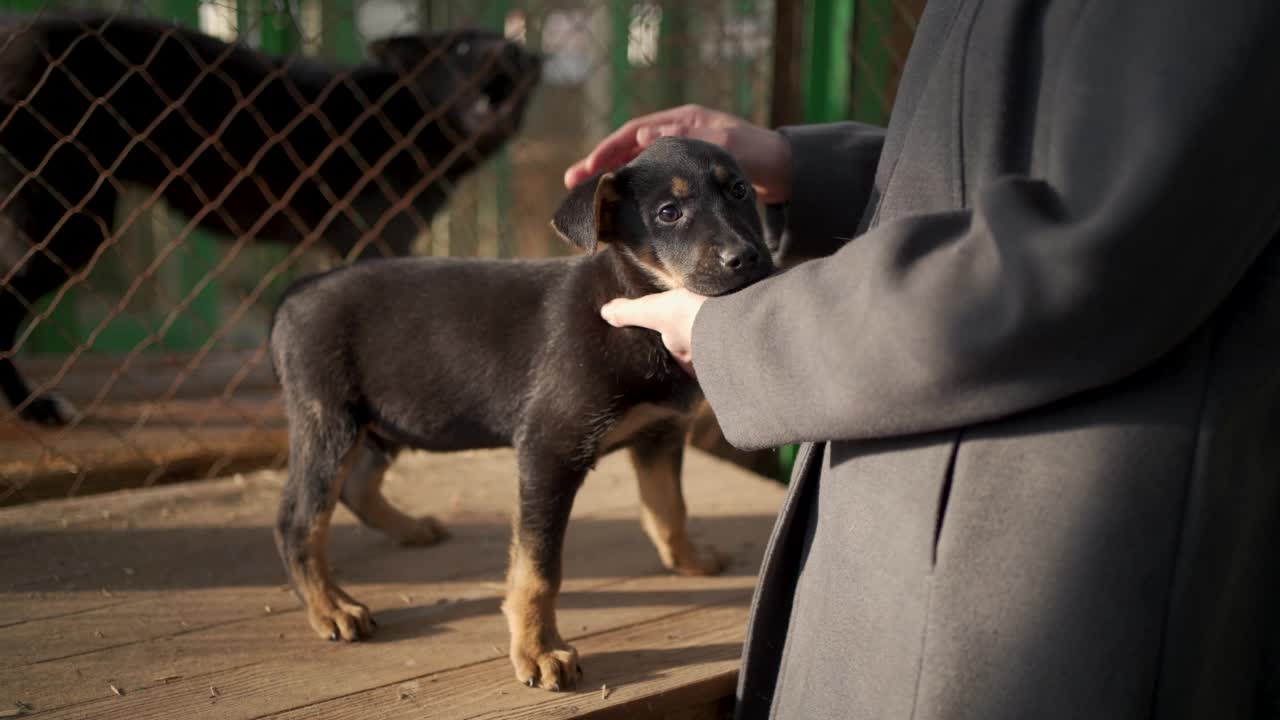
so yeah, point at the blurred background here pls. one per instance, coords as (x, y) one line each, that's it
(161, 344)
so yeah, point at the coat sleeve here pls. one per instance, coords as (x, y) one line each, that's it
(1154, 191)
(833, 171)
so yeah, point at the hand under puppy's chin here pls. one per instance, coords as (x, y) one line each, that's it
(716, 286)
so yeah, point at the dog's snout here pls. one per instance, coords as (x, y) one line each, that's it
(519, 57)
(739, 258)
(531, 58)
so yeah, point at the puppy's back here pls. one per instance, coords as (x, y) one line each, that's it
(422, 342)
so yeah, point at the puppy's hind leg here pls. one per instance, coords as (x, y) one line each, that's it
(320, 455)
(362, 494)
(657, 454)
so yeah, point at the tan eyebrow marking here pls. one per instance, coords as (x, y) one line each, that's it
(679, 187)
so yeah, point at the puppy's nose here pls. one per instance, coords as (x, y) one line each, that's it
(739, 258)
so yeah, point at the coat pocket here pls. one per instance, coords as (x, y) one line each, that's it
(944, 496)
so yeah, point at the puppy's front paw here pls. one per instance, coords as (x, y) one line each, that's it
(50, 409)
(334, 615)
(551, 667)
(700, 560)
(423, 531)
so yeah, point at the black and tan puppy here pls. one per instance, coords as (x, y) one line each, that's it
(281, 149)
(452, 354)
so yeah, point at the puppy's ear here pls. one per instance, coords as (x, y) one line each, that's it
(588, 216)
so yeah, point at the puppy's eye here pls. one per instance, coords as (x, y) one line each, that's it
(668, 213)
(738, 191)
(462, 48)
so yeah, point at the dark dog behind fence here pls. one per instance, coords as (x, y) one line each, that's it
(278, 148)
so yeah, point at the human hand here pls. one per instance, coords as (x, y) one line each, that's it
(670, 314)
(765, 155)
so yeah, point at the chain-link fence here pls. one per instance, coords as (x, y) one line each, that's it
(167, 167)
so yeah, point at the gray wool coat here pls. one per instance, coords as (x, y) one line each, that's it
(1040, 386)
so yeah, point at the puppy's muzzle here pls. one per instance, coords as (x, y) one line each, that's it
(740, 258)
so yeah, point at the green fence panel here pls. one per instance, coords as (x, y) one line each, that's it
(826, 96)
(619, 65)
(871, 61)
(58, 332)
(338, 36)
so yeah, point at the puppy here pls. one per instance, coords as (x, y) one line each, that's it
(451, 354)
(282, 149)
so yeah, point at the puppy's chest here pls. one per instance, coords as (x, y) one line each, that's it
(639, 418)
(636, 420)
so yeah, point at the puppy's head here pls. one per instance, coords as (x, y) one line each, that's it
(482, 81)
(682, 210)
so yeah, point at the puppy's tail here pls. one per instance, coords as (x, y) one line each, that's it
(279, 331)
(274, 348)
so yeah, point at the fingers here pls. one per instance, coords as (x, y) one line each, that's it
(670, 314)
(715, 135)
(610, 153)
(765, 155)
(685, 361)
(621, 145)
(623, 313)
(664, 312)
(651, 311)
(683, 115)
(618, 149)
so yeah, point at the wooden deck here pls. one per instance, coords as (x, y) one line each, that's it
(166, 602)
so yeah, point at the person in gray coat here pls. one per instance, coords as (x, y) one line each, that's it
(1035, 362)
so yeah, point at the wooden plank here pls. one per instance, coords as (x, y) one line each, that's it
(302, 670)
(683, 658)
(686, 659)
(188, 572)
